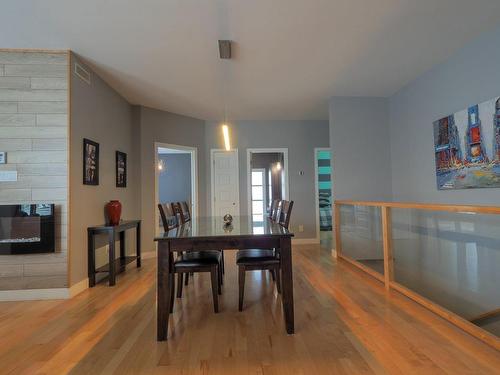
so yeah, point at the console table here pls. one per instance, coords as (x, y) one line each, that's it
(115, 265)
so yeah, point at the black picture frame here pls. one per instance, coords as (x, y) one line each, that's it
(121, 169)
(90, 162)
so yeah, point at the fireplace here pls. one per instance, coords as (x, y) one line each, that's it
(27, 229)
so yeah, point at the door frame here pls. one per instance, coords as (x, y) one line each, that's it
(316, 188)
(212, 179)
(193, 151)
(251, 151)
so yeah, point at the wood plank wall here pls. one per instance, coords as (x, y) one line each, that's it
(34, 133)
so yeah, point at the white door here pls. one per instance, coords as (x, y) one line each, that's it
(225, 183)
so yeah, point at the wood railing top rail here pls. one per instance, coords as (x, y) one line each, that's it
(424, 206)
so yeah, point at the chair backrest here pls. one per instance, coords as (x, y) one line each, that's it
(274, 209)
(185, 213)
(277, 212)
(168, 216)
(285, 213)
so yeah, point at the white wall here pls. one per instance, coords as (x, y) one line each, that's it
(360, 142)
(469, 77)
(165, 127)
(99, 113)
(300, 137)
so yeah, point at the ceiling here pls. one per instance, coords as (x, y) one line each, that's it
(290, 56)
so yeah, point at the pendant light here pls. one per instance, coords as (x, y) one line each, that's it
(225, 54)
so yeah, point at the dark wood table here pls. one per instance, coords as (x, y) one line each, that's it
(208, 233)
(115, 265)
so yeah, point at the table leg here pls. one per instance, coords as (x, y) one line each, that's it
(112, 271)
(122, 245)
(138, 244)
(91, 258)
(163, 290)
(287, 283)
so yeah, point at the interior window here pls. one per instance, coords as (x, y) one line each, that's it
(258, 195)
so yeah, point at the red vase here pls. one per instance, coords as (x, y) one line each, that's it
(114, 212)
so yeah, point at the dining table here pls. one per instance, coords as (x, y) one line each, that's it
(212, 233)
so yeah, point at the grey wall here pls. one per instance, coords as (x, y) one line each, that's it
(300, 137)
(102, 115)
(360, 143)
(165, 127)
(34, 133)
(469, 77)
(174, 182)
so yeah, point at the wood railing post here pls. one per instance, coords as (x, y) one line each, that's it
(338, 248)
(387, 242)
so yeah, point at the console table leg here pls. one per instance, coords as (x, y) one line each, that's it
(138, 244)
(91, 258)
(122, 245)
(112, 271)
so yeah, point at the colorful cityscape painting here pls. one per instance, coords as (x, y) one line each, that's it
(467, 147)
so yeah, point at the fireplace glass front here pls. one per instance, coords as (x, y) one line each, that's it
(27, 229)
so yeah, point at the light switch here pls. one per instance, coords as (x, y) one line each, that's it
(8, 176)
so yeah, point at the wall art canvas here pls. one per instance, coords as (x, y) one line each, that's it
(467, 147)
(121, 169)
(90, 162)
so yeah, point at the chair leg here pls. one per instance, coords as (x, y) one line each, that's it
(179, 284)
(186, 279)
(219, 279)
(172, 291)
(222, 262)
(241, 284)
(221, 269)
(273, 274)
(278, 279)
(215, 292)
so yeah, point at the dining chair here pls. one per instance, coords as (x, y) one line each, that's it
(274, 209)
(183, 211)
(263, 259)
(190, 261)
(185, 215)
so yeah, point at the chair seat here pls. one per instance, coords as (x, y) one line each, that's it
(198, 258)
(256, 256)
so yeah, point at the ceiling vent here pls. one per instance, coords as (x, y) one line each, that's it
(82, 73)
(225, 49)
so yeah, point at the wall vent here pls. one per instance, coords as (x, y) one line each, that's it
(82, 73)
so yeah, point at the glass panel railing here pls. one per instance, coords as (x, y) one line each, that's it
(361, 235)
(452, 259)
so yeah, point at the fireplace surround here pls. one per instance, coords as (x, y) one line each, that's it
(27, 229)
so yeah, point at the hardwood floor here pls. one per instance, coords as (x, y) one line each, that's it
(346, 323)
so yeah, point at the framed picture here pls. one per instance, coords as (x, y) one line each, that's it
(90, 162)
(467, 147)
(121, 169)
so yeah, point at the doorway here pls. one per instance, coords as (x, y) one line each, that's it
(267, 180)
(225, 187)
(175, 177)
(324, 194)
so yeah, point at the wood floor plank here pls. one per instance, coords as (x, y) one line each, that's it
(346, 323)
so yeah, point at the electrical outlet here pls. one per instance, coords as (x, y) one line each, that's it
(301, 228)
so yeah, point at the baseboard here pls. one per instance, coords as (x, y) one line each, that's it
(305, 241)
(148, 255)
(43, 294)
(34, 294)
(78, 287)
